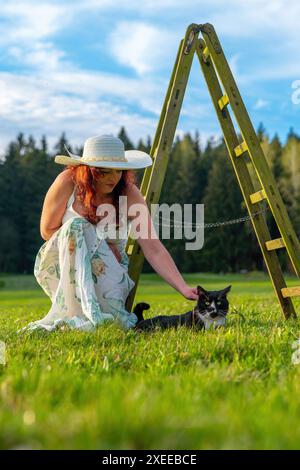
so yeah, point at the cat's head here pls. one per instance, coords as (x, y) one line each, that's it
(212, 306)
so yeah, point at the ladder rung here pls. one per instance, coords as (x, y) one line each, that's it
(240, 149)
(275, 244)
(129, 251)
(222, 102)
(290, 291)
(205, 53)
(258, 196)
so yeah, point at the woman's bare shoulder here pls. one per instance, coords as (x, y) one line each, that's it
(62, 186)
(64, 181)
(133, 194)
(55, 203)
(65, 177)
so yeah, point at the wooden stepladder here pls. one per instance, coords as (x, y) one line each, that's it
(213, 65)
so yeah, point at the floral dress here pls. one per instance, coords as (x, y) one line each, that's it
(81, 275)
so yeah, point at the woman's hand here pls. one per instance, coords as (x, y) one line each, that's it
(190, 293)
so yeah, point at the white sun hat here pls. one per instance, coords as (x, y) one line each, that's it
(107, 151)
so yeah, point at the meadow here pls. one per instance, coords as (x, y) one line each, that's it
(234, 388)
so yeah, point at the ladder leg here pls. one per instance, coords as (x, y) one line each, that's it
(162, 144)
(244, 179)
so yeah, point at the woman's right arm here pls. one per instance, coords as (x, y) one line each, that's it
(55, 204)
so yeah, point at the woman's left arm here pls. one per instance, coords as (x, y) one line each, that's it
(155, 252)
(162, 262)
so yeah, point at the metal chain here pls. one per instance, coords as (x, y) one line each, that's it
(212, 224)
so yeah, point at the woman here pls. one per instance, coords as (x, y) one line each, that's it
(82, 269)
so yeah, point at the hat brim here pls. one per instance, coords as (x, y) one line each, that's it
(136, 159)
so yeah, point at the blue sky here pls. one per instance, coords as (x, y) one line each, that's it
(89, 67)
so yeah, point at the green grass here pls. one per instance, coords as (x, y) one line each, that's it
(111, 389)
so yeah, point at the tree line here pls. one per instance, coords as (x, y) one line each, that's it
(194, 175)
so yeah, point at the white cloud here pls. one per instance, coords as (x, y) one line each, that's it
(87, 103)
(59, 95)
(43, 56)
(260, 103)
(252, 17)
(81, 104)
(27, 27)
(141, 46)
(30, 21)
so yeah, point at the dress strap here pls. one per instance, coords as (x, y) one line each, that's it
(71, 199)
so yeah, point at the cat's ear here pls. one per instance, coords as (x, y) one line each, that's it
(226, 290)
(201, 292)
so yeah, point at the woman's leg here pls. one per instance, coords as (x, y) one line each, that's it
(82, 277)
(63, 269)
(112, 284)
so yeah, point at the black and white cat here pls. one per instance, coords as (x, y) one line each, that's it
(211, 311)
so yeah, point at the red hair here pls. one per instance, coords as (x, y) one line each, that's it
(84, 178)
